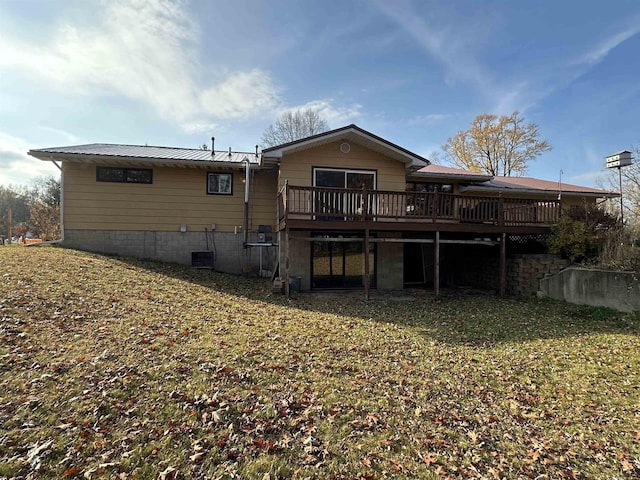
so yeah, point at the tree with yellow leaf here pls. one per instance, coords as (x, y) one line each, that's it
(498, 145)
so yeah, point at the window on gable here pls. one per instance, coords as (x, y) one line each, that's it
(220, 183)
(124, 175)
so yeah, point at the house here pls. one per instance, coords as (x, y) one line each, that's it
(308, 209)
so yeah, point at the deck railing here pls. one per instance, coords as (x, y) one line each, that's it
(358, 205)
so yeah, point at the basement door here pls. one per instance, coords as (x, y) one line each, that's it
(340, 264)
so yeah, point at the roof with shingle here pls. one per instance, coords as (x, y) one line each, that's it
(479, 181)
(538, 184)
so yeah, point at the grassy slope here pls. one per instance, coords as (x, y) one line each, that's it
(112, 367)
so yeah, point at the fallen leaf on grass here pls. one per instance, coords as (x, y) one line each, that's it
(70, 472)
(627, 466)
(168, 473)
(196, 457)
(37, 453)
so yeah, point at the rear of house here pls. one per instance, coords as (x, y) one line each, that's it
(342, 209)
(165, 203)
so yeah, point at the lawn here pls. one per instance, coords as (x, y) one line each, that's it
(118, 368)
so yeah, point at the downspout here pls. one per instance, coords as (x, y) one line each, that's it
(247, 172)
(61, 239)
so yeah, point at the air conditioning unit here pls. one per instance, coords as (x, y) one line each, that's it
(202, 259)
(264, 233)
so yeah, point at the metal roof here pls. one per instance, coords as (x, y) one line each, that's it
(442, 172)
(144, 152)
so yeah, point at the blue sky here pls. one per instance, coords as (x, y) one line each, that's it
(176, 73)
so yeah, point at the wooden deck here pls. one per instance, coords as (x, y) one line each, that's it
(343, 209)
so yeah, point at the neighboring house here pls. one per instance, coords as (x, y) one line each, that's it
(308, 209)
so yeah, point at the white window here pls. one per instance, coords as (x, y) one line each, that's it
(219, 183)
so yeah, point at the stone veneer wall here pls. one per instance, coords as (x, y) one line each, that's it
(524, 271)
(176, 247)
(479, 267)
(469, 266)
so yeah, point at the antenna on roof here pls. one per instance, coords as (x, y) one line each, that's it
(560, 185)
(213, 146)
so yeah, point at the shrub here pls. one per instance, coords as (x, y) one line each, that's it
(621, 250)
(580, 233)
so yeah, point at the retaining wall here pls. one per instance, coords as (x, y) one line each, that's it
(599, 288)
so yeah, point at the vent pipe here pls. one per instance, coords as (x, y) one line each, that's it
(213, 146)
(229, 152)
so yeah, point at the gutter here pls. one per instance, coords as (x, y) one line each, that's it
(541, 193)
(247, 179)
(93, 159)
(247, 176)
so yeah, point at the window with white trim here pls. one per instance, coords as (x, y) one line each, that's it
(219, 183)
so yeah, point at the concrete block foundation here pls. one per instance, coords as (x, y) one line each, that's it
(176, 247)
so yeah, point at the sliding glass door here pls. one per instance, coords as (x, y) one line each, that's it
(339, 205)
(338, 263)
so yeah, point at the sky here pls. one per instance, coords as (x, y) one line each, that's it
(160, 72)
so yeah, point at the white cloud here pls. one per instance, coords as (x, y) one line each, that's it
(240, 96)
(144, 50)
(444, 43)
(599, 52)
(336, 116)
(69, 137)
(18, 168)
(438, 33)
(430, 118)
(593, 178)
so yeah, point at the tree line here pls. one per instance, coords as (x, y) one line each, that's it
(35, 209)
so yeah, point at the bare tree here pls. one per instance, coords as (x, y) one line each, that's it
(44, 208)
(294, 125)
(44, 220)
(496, 145)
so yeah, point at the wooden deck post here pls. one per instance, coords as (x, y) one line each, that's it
(287, 288)
(503, 264)
(365, 211)
(367, 278)
(436, 265)
(434, 206)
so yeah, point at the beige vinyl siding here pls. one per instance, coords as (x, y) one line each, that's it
(262, 199)
(177, 196)
(297, 167)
